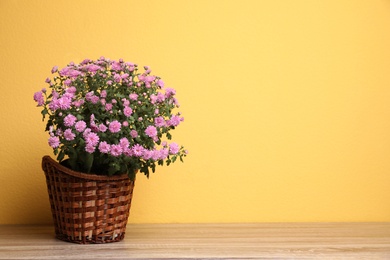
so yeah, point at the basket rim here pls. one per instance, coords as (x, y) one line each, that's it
(88, 176)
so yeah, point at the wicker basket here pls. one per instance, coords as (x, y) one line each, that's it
(87, 208)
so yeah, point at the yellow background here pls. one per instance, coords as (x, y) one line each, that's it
(286, 104)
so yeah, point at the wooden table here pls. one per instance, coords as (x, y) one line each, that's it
(209, 241)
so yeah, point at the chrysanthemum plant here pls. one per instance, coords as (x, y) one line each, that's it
(105, 117)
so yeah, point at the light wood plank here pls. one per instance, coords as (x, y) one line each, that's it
(209, 241)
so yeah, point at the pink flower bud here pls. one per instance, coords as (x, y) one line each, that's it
(54, 69)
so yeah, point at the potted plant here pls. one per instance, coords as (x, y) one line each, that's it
(106, 121)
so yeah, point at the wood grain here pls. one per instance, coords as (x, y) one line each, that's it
(209, 241)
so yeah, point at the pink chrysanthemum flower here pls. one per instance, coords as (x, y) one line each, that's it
(169, 92)
(90, 148)
(159, 121)
(102, 128)
(153, 98)
(155, 155)
(151, 131)
(160, 83)
(114, 126)
(116, 150)
(92, 139)
(133, 96)
(126, 102)
(104, 147)
(117, 78)
(137, 150)
(133, 133)
(69, 135)
(38, 97)
(70, 120)
(160, 97)
(173, 148)
(91, 97)
(67, 82)
(94, 99)
(128, 152)
(93, 68)
(86, 132)
(124, 143)
(64, 102)
(71, 90)
(53, 105)
(74, 73)
(163, 154)
(78, 103)
(54, 141)
(127, 111)
(80, 126)
(174, 121)
(55, 94)
(116, 65)
(147, 154)
(108, 106)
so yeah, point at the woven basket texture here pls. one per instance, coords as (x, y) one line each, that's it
(87, 208)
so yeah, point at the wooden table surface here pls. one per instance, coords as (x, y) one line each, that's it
(209, 241)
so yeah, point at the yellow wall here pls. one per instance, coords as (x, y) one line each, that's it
(286, 104)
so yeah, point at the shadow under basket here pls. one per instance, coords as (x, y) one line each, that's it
(87, 208)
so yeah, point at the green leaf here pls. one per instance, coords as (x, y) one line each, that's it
(145, 170)
(60, 156)
(44, 113)
(73, 164)
(113, 168)
(131, 174)
(88, 162)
